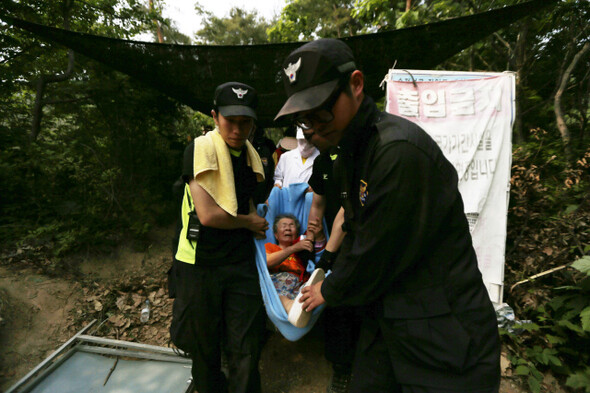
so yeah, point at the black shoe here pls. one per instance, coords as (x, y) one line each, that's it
(339, 383)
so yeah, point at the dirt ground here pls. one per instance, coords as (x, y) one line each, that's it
(41, 307)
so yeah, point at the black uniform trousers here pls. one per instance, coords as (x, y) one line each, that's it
(341, 328)
(220, 306)
(373, 370)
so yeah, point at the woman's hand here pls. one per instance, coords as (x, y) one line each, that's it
(303, 245)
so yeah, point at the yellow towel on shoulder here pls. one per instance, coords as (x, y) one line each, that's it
(213, 170)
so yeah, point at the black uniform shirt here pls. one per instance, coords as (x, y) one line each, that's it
(323, 183)
(403, 213)
(407, 257)
(225, 246)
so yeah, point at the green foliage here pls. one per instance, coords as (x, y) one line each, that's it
(101, 169)
(304, 20)
(381, 16)
(583, 265)
(191, 124)
(377, 14)
(560, 35)
(113, 18)
(109, 149)
(580, 380)
(548, 229)
(526, 368)
(239, 28)
(559, 340)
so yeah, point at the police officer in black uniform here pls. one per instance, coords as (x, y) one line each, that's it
(407, 258)
(218, 300)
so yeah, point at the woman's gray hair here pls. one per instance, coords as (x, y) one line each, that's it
(279, 217)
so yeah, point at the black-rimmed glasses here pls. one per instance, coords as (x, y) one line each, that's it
(322, 115)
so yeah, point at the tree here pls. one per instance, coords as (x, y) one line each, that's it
(163, 29)
(532, 48)
(69, 14)
(564, 78)
(44, 79)
(572, 83)
(171, 35)
(240, 27)
(109, 147)
(303, 20)
(382, 15)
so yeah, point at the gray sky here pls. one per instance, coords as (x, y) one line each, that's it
(182, 11)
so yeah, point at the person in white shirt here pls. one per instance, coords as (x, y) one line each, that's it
(296, 166)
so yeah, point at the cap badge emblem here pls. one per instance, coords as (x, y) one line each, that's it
(291, 71)
(240, 92)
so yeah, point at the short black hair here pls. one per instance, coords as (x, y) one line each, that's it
(346, 88)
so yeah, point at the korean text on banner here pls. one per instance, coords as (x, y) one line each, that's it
(470, 116)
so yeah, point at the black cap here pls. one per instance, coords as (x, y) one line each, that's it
(312, 72)
(236, 99)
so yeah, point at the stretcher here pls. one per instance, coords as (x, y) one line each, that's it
(297, 201)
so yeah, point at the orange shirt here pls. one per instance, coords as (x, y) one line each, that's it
(292, 264)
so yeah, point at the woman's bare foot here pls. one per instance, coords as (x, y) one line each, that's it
(287, 303)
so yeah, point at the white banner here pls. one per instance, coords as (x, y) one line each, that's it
(470, 116)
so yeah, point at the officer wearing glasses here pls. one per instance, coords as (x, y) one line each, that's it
(407, 259)
(218, 297)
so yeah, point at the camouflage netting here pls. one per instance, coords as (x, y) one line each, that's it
(190, 73)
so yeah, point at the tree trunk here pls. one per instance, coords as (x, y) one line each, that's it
(519, 62)
(158, 29)
(559, 114)
(45, 79)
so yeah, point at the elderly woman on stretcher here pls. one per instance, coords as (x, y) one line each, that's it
(287, 261)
